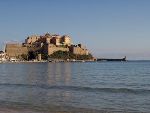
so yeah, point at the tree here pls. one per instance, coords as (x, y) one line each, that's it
(31, 55)
(24, 57)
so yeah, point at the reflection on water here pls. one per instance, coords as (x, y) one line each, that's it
(48, 73)
(59, 72)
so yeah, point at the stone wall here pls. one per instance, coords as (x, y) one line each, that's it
(15, 50)
(78, 50)
(50, 49)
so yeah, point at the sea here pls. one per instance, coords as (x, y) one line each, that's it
(76, 87)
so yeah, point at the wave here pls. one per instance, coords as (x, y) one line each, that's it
(79, 88)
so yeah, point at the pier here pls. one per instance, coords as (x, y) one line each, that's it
(105, 59)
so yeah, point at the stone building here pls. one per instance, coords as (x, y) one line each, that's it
(61, 40)
(2, 56)
(49, 39)
(32, 39)
(57, 40)
(77, 49)
(66, 40)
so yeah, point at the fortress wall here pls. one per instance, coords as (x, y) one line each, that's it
(15, 50)
(51, 50)
(79, 51)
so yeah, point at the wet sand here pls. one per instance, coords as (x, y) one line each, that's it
(51, 110)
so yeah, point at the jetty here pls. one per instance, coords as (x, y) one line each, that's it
(105, 59)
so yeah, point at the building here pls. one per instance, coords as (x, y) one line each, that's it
(49, 39)
(32, 39)
(66, 40)
(56, 40)
(77, 49)
(59, 40)
(2, 56)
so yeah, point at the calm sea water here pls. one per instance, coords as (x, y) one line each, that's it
(109, 86)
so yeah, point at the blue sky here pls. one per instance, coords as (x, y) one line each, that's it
(109, 28)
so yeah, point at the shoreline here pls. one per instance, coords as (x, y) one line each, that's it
(51, 109)
(57, 61)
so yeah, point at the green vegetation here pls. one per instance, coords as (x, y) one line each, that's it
(44, 56)
(64, 55)
(68, 55)
(30, 56)
(24, 57)
(33, 55)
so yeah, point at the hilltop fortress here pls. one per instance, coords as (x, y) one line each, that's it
(46, 44)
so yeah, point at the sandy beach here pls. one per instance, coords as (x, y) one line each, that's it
(11, 110)
(51, 110)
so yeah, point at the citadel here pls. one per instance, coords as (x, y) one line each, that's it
(44, 44)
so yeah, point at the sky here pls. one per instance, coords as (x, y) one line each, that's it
(108, 28)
